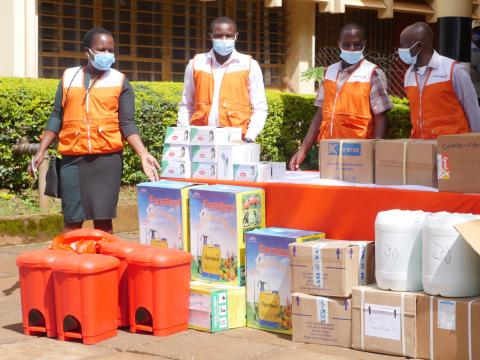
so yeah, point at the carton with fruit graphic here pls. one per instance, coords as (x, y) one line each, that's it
(269, 305)
(219, 217)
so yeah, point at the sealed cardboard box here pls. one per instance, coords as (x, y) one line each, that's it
(347, 160)
(406, 162)
(163, 214)
(235, 154)
(209, 135)
(458, 161)
(268, 276)
(173, 152)
(219, 217)
(177, 135)
(448, 328)
(216, 307)
(176, 169)
(385, 322)
(321, 320)
(254, 172)
(204, 170)
(331, 267)
(204, 153)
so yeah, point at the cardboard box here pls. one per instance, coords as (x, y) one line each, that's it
(177, 135)
(219, 217)
(204, 153)
(458, 161)
(321, 320)
(176, 153)
(356, 163)
(448, 328)
(235, 154)
(163, 213)
(176, 169)
(406, 162)
(331, 267)
(209, 135)
(216, 307)
(201, 170)
(279, 170)
(386, 322)
(269, 304)
(254, 172)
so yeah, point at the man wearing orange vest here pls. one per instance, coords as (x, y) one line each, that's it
(441, 94)
(224, 87)
(352, 98)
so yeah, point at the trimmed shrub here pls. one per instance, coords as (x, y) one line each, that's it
(25, 106)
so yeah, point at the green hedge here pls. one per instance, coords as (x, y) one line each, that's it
(25, 105)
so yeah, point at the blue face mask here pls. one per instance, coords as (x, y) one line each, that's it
(351, 57)
(223, 47)
(406, 56)
(476, 38)
(102, 61)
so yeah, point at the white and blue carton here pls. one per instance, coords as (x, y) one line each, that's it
(163, 213)
(269, 305)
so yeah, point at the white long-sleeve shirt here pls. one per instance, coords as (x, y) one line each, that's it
(256, 89)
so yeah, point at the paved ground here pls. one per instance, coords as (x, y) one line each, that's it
(191, 345)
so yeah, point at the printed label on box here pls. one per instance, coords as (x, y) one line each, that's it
(219, 311)
(322, 309)
(447, 314)
(348, 149)
(443, 167)
(317, 265)
(362, 256)
(382, 321)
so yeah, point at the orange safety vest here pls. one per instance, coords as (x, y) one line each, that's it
(234, 100)
(437, 110)
(90, 120)
(346, 114)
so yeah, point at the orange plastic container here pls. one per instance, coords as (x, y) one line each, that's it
(121, 249)
(159, 290)
(82, 241)
(36, 290)
(86, 297)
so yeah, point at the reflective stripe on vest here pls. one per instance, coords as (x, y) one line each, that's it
(436, 111)
(90, 120)
(346, 114)
(234, 100)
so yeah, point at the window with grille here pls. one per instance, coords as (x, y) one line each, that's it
(156, 38)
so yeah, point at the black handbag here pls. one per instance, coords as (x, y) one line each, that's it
(52, 186)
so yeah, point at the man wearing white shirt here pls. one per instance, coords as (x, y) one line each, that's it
(224, 87)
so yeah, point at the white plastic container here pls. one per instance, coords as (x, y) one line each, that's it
(398, 250)
(450, 266)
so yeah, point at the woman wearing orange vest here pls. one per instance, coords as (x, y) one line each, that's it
(92, 116)
(352, 99)
(442, 97)
(224, 87)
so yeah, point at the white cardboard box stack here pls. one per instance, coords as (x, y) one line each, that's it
(206, 152)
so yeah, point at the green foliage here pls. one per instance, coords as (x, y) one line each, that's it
(25, 105)
(314, 73)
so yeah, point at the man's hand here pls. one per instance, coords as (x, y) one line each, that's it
(35, 163)
(150, 166)
(297, 160)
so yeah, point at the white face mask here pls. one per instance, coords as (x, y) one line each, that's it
(351, 57)
(406, 56)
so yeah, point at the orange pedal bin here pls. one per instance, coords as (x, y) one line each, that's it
(86, 297)
(36, 290)
(121, 249)
(158, 290)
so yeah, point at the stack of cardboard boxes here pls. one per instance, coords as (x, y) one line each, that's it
(323, 275)
(405, 162)
(205, 152)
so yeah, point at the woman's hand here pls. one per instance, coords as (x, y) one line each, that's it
(35, 163)
(150, 166)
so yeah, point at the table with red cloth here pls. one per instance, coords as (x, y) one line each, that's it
(347, 212)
